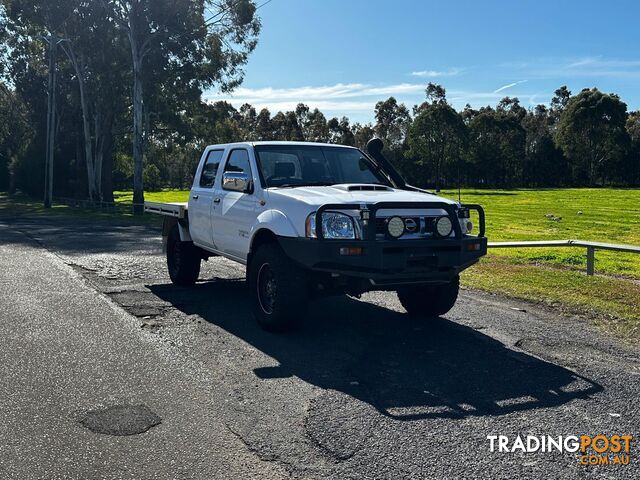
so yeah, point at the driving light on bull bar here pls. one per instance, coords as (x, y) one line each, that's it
(395, 227)
(444, 227)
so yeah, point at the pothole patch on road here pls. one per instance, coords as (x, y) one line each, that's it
(121, 420)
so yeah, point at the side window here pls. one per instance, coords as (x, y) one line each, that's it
(211, 164)
(238, 162)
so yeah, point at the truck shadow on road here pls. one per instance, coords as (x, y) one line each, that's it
(406, 368)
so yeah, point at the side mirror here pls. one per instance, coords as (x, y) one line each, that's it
(236, 182)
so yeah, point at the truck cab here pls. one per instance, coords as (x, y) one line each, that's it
(310, 219)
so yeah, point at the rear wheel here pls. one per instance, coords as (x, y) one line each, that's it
(430, 300)
(183, 259)
(278, 289)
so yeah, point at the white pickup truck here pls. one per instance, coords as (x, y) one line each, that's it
(309, 219)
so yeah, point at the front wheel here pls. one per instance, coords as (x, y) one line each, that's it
(183, 259)
(278, 289)
(430, 300)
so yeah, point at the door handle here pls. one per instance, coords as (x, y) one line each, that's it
(195, 197)
(216, 200)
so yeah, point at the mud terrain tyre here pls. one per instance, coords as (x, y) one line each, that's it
(278, 289)
(183, 259)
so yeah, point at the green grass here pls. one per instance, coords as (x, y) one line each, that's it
(556, 276)
(162, 196)
(20, 205)
(607, 215)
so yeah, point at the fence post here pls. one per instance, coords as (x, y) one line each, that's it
(591, 260)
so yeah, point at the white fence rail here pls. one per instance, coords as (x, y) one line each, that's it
(590, 246)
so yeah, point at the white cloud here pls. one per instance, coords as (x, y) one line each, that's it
(355, 100)
(565, 69)
(308, 93)
(509, 85)
(583, 61)
(436, 73)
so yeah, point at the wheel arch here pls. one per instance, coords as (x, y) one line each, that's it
(270, 225)
(262, 236)
(183, 229)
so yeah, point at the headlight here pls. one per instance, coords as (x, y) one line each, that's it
(335, 225)
(444, 227)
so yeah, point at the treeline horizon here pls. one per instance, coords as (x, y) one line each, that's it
(130, 112)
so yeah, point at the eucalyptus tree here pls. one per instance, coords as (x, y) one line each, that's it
(496, 148)
(97, 55)
(437, 136)
(16, 134)
(392, 121)
(633, 159)
(340, 131)
(188, 44)
(591, 132)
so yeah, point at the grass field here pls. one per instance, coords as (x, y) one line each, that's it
(555, 276)
(549, 276)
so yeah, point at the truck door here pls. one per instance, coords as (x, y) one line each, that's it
(234, 212)
(201, 199)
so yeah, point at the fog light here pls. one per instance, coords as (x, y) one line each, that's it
(395, 227)
(469, 226)
(350, 251)
(444, 227)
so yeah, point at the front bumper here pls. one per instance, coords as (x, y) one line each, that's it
(389, 262)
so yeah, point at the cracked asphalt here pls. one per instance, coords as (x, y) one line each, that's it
(91, 322)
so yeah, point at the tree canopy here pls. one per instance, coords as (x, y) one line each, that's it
(130, 109)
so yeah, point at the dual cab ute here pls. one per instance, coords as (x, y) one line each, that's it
(311, 219)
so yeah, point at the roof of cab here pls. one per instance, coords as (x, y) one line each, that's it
(254, 144)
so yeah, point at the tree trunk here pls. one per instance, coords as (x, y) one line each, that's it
(51, 115)
(138, 140)
(105, 148)
(93, 182)
(88, 147)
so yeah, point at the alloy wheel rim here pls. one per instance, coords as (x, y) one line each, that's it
(267, 289)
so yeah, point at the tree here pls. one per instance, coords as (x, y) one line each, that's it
(559, 102)
(392, 123)
(511, 106)
(632, 164)
(171, 38)
(436, 136)
(496, 148)
(316, 127)
(591, 132)
(93, 48)
(263, 128)
(544, 164)
(15, 135)
(340, 131)
(362, 134)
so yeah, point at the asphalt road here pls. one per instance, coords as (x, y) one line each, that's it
(96, 339)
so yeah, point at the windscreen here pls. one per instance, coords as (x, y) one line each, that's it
(294, 165)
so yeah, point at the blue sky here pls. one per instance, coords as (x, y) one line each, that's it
(343, 56)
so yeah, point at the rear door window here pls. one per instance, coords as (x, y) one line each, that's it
(210, 168)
